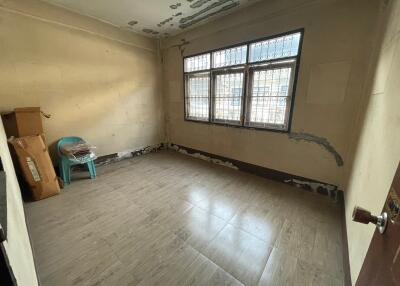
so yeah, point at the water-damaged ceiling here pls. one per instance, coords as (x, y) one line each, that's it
(156, 18)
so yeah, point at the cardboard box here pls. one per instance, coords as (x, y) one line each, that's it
(24, 121)
(36, 165)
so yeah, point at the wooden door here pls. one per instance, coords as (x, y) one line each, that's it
(382, 263)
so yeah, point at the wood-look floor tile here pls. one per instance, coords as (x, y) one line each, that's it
(203, 272)
(168, 219)
(240, 254)
(198, 227)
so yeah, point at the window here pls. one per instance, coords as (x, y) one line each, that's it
(248, 85)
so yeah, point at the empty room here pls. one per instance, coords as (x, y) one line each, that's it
(200, 142)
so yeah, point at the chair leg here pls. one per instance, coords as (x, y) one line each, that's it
(65, 171)
(92, 169)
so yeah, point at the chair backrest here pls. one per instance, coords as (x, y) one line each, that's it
(65, 141)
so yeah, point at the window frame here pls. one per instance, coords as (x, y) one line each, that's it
(265, 67)
(214, 74)
(247, 67)
(197, 74)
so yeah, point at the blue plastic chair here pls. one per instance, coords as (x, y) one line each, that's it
(65, 163)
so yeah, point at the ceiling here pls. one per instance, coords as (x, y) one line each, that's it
(155, 18)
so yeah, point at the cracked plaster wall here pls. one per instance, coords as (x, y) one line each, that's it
(333, 67)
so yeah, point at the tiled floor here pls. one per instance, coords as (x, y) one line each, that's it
(169, 219)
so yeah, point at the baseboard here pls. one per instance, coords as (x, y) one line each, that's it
(310, 185)
(307, 184)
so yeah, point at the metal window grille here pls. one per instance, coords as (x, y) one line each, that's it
(269, 98)
(230, 57)
(281, 47)
(197, 63)
(197, 96)
(228, 97)
(248, 85)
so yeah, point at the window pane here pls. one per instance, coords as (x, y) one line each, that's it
(197, 63)
(228, 96)
(197, 99)
(281, 47)
(269, 96)
(230, 57)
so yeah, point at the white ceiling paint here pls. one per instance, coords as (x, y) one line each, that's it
(155, 18)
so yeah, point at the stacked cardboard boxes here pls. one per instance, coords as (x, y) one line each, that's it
(25, 132)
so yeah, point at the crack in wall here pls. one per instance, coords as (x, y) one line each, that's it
(323, 142)
(181, 46)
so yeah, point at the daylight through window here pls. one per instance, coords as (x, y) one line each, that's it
(248, 85)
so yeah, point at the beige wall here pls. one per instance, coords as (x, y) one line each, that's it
(335, 51)
(376, 149)
(18, 247)
(97, 81)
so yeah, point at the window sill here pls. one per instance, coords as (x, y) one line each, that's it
(239, 126)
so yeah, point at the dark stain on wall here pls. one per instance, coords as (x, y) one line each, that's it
(323, 142)
(205, 14)
(181, 45)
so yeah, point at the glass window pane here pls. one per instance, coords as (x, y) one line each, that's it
(197, 96)
(197, 63)
(281, 47)
(230, 57)
(269, 96)
(228, 96)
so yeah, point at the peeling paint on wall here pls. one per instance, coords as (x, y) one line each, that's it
(162, 23)
(202, 157)
(205, 10)
(150, 31)
(199, 3)
(194, 19)
(175, 6)
(132, 23)
(108, 159)
(320, 188)
(320, 141)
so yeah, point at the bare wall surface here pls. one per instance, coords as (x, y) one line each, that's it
(376, 149)
(97, 81)
(334, 58)
(18, 246)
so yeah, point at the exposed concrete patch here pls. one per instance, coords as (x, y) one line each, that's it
(320, 141)
(309, 185)
(191, 20)
(202, 157)
(116, 157)
(317, 187)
